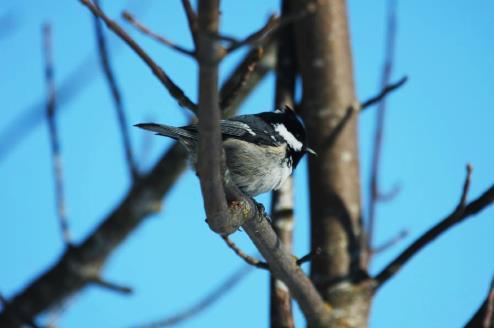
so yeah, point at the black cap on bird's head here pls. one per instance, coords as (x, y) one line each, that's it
(290, 127)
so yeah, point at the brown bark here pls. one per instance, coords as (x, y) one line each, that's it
(325, 63)
(281, 314)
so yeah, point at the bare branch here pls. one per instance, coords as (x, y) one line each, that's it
(392, 242)
(192, 20)
(458, 215)
(374, 189)
(231, 92)
(63, 278)
(205, 302)
(172, 88)
(309, 256)
(273, 25)
(19, 319)
(139, 26)
(282, 200)
(110, 285)
(116, 95)
(248, 259)
(284, 267)
(484, 316)
(383, 94)
(51, 106)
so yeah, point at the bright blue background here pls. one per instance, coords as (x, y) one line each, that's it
(442, 119)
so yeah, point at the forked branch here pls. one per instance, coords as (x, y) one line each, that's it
(460, 213)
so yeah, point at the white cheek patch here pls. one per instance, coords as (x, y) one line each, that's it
(288, 136)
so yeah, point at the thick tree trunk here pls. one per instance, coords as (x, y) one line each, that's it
(325, 63)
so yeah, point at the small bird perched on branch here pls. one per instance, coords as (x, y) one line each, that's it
(261, 150)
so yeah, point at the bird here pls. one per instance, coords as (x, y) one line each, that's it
(261, 150)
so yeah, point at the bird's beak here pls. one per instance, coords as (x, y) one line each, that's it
(310, 151)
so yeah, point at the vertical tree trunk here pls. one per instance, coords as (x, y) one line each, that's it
(325, 63)
(282, 200)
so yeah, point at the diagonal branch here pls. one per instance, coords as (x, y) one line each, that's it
(247, 258)
(172, 88)
(461, 212)
(51, 107)
(64, 277)
(143, 29)
(484, 317)
(116, 95)
(205, 302)
(192, 20)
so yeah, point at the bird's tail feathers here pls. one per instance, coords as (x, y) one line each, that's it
(167, 131)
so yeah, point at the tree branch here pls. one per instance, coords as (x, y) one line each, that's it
(63, 278)
(192, 20)
(51, 106)
(247, 258)
(172, 88)
(143, 29)
(484, 317)
(110, 285)
(205, 302)
(374, 189)
(116, 95)
(460, 213)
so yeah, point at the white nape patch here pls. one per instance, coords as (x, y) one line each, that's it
(247, 128)
(288, 136)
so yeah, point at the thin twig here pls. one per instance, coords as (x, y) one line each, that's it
(390, 243)
(139, 26)
(379, 129)
(205, 302)
(192, 20)
(174, 90)
(458, 215)
(115, 92)
(110, 285)
(274, 24)
(248, 259)
(228, 96)
(310, 256)
(51, 106)
(383, 94)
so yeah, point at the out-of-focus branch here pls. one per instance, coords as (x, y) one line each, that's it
(390, 243)
(387, 89)
(143, 29)
(461, 212)
(205, 302)
(64, 277)
(484, 317)
(110, 285)
(172, 88)
(274, 24)
(282, 214)
(51, 106)
(192, 20)
(230, 92)
(374, 189)
(104, 56)
(76, 80)
(247, 258)
(20, 319)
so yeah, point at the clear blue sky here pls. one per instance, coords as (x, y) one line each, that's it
(438, 122)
